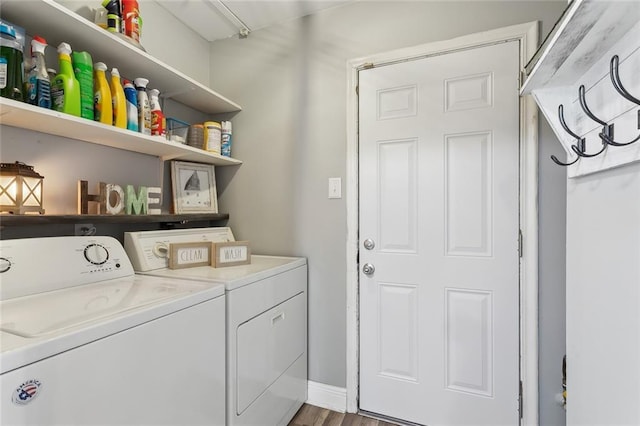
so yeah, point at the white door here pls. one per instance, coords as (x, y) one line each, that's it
(439, 179)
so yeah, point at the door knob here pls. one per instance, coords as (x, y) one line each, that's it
(368, 269)
(369, 244)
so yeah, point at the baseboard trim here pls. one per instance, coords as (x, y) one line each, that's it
(327, 396)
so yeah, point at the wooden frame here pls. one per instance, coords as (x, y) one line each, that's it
(193, 187)
(190, 255)
(231, 254)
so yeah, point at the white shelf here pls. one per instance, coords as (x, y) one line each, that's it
(57, 24)
(25, 116)
(578, 52)
(586, 31)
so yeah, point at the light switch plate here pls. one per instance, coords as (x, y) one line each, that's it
(335, 187)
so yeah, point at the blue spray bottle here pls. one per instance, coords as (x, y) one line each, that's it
(131, 96)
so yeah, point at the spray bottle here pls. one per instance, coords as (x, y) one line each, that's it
(118, 102)
(65, 93)
(102, 97)
(38, 84)
(158, 121)
(132, 105)
(144, 109)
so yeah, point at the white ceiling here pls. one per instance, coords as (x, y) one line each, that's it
(216, 19)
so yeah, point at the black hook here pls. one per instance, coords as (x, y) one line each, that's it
(560, 163)
(617, 84)
(580, 141)
(607, 129)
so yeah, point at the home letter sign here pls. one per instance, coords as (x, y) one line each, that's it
(113, 200)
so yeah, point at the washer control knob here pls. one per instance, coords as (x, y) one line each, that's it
(96, 254)
(5, 264)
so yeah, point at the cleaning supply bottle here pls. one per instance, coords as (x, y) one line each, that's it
(83, 70)
(118, 102)
(212, 136)
(158, 121)
(65, 93)
(114, 15)
(226, 138)
(144, 108)
(130, 19)
(132, 105)
(11, 64)
(102, 95)
(38, 85)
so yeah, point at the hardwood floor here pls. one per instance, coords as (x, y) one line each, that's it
(310, 415)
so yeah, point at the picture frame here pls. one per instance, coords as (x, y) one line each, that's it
(230, 253)
(190, 255)
(193, 187)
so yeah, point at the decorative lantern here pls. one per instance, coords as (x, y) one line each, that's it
(20, 189)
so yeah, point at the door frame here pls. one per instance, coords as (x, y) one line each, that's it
(527, 35)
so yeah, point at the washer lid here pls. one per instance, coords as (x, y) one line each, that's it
(52, 312)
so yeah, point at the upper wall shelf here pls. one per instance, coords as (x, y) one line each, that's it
(585, 32)
(25, 116)
(572, 69)
(57, 24)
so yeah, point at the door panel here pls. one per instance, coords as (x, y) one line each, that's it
(438, 177)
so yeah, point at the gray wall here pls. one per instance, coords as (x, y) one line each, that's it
(291, 135)
(552, 199)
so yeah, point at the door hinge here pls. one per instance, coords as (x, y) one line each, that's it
(520, 244)
(520, 403)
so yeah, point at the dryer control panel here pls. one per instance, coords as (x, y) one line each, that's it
(149, 250)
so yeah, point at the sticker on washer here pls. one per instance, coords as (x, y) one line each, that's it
(26, 392)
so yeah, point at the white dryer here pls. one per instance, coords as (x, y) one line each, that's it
(85, 341)
(266, 322)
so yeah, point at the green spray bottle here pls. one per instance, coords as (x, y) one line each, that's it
(65, 92)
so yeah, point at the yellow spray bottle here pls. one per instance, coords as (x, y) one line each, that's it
(119, 102)
(102, 109)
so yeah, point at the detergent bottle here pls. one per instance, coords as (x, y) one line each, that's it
(102, 95)
(83, 70)
(11, 64)
(65, 93)
(132, 105)
(119, 104)
(38, 85)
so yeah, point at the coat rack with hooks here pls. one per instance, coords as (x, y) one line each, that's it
(585, 81)
(607, 134)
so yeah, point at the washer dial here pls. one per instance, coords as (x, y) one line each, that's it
(5, 264)
(96, 254)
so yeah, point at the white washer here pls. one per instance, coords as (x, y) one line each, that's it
(86, 341)
(266, 322)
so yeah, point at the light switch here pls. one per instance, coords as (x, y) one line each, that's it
(335, 187)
